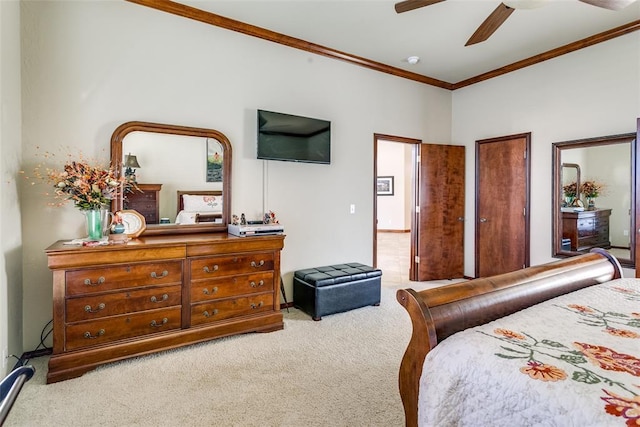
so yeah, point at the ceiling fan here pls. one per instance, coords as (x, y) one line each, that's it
(503, 11)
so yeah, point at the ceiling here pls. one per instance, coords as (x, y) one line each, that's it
(437, 34)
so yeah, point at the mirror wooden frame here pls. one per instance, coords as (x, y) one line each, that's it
(161, 229)
(558, 197)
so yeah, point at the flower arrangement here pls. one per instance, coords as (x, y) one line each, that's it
(88, 186)
(570, 190)
(591, 189)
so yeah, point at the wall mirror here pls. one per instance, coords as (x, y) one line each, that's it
(183, 176)
(581, 222)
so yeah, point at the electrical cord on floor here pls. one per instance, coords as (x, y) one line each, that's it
(40, 350)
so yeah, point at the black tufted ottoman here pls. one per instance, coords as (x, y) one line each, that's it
(336, 288)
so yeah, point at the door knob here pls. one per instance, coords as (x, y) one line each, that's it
(483, 219)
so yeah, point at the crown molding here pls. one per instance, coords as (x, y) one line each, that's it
(190, 12)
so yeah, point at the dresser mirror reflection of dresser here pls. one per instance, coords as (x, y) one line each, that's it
(177, 160)
(610, 224)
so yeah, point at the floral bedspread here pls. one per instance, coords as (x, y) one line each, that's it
(570, 361)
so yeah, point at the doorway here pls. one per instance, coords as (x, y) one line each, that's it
(394, 187)
(437, 208)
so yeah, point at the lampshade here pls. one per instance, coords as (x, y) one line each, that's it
(130, 161)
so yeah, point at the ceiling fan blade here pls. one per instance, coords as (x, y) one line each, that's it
(405, 6)
(609, 4)
(491, 24)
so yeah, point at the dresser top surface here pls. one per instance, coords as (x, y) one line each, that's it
(150, 242)
(587, 213)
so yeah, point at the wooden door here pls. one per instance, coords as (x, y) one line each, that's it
(635, 198)
(440, 212)
(502, 204)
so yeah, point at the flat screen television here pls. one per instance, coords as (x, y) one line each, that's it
(293, 138)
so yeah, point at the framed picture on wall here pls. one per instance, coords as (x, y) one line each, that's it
(214, 161)
(384, 186)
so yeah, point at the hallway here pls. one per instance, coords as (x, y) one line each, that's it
(394, 253)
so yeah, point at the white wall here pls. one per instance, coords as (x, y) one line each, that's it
(408, 181)
(10, 146)
(91, 66)
(588, 93)
(394, 159)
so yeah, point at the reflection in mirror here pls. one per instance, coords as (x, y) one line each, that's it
(570, 179)
(175, 163)
(606, 222)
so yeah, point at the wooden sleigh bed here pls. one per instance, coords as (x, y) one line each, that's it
(521, 374)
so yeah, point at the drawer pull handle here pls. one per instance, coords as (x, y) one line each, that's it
(254, 306)
(154, 324)
(100, 281)
(88, 335)
(165, 273)
(210, 270)
(88, 308)
(260, 264)
(257, 285)
(213, 313)
(164, 298)
(213, 290)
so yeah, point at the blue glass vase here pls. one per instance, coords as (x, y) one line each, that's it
(117, 228)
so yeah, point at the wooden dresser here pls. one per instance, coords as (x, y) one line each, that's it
(155, 293)
(146, 201)
(587, 229)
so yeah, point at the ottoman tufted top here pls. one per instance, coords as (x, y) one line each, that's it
(334, 274)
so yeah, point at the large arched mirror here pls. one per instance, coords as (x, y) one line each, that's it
(594, 196)
(183, 176)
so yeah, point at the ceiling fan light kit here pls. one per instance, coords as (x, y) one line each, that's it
(609, 4)
(525, 4)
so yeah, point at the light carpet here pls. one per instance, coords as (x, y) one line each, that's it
(340, 371)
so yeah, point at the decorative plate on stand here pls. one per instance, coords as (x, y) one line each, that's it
(134, 223)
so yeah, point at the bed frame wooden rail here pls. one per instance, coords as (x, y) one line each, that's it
(440, 312)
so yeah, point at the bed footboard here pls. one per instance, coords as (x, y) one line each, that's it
(440, 312)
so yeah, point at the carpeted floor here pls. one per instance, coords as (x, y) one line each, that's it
(341, 371)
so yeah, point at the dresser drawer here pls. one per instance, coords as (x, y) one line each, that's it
(142, 204)
(103, 305)
(586, 224)
(210, 267)
(150, 217)
(91, 280)
(205, 290)
(108, 329)
(209, 312)
(144, 196)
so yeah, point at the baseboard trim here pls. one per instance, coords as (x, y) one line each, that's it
(382, 230)
(28, 355)
(36, 353)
